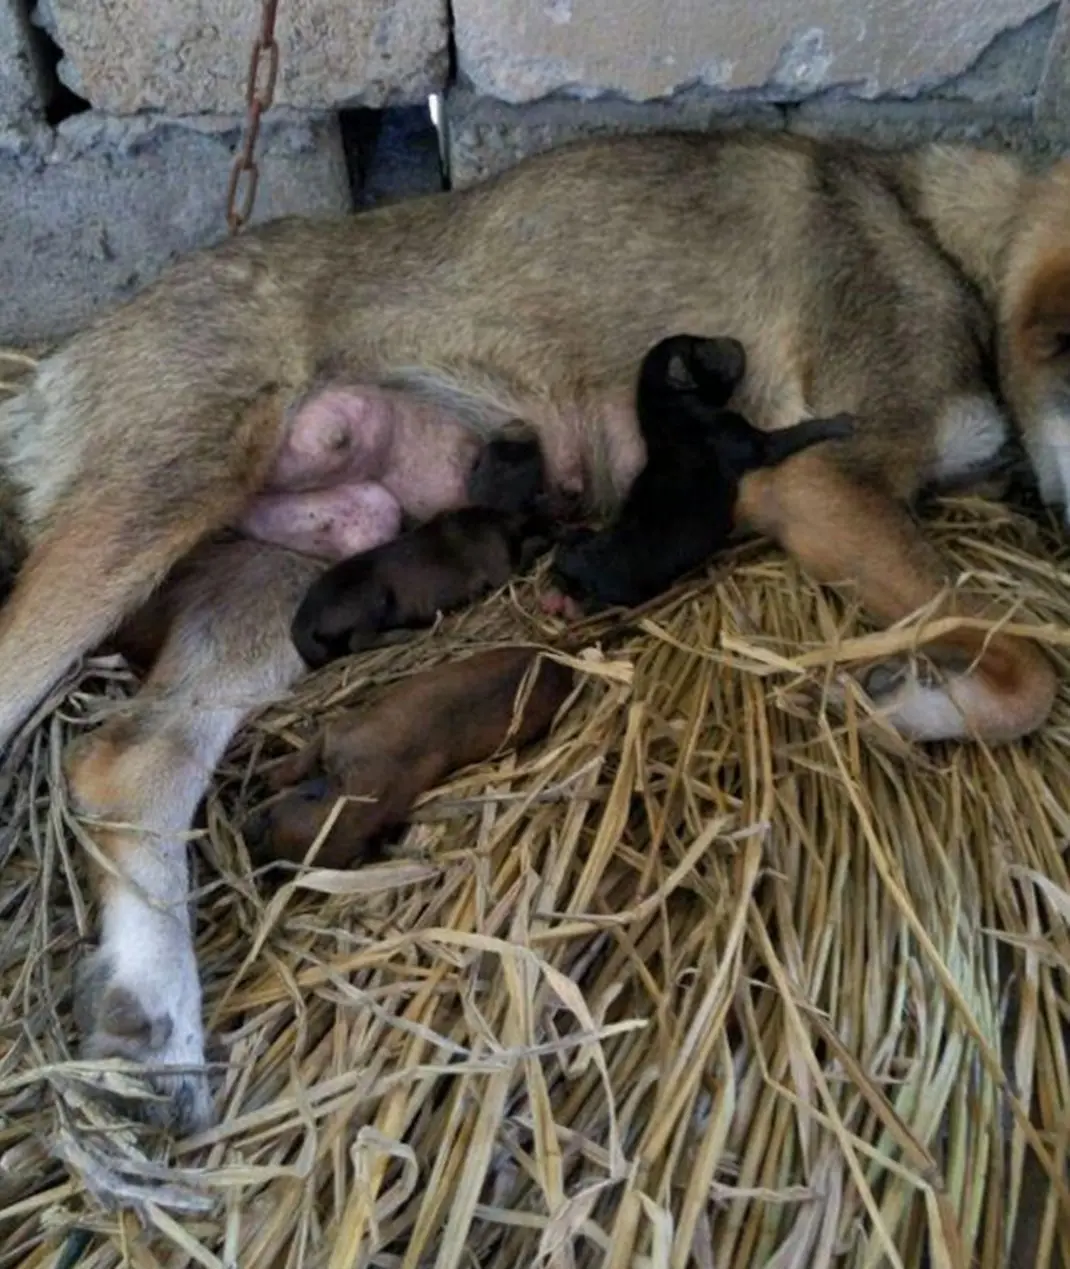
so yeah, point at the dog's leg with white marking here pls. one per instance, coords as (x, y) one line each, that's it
(227, 653)
(996, 688)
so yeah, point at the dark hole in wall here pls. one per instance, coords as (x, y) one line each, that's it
(60, 102)
(391, 154)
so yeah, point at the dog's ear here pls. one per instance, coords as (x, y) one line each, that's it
(1044, 312)
(717, 367)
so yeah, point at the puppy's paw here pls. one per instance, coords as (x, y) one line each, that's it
(556, 603)
(159, 1029)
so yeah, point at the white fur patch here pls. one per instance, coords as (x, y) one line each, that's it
(1048, 443)
(919, 711)
(969, 434)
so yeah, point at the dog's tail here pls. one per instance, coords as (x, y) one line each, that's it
(787, 441)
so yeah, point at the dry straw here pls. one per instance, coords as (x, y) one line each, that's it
(705, 979)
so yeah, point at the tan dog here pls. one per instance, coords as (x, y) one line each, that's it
(314, 382)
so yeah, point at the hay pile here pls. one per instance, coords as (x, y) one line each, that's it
(702, 980)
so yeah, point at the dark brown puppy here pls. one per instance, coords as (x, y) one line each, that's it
(451, 560)
(406, 742)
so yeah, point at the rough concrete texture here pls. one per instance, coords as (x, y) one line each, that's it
(520, 51)
(897, 123)
(21, 79)
(129, 55)
(1053, 97)
(94, 211)
(1015, 96)
(486, 137)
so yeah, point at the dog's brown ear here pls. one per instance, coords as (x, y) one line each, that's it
(1044, 321)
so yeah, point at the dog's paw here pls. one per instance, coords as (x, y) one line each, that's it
(160, 1030)
(896, 701)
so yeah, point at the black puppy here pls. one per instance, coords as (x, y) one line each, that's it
(438, 566)
(680, 509)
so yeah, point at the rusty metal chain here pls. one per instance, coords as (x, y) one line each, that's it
(259, 95)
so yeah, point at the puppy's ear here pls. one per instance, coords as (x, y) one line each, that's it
(717, 367)
(678, 375)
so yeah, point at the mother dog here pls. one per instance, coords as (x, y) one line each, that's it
(312, 383)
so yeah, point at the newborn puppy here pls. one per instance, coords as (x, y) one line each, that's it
(441, 565)
(411, 738)
(509, 474)
(679, 511)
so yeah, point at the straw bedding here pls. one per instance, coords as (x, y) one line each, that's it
(704, 979)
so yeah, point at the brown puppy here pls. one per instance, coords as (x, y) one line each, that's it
(409, 740)
(453, 559)
(314, 383)
(444, 564)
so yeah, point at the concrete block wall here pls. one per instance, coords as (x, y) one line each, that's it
(119, 121)
(988, 72)
(119, 118)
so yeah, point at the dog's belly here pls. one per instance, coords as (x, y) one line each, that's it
(328, 523)
(354, 461)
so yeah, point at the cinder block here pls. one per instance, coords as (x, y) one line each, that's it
(125, 56)
(22, 91)
(487, 136)
(898, 123)
(94, 211)
(1053, 96)
(782, 49)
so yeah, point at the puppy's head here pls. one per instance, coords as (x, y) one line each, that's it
(509, 473)
(286, 830)
(586, 572)
(689, 365)
(342, 612)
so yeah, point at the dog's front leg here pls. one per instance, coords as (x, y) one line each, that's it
(139, 780)
(995, 687)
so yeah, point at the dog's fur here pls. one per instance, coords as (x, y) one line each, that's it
(376, 350)
(446, 562)
(680, 510)
(385, 755)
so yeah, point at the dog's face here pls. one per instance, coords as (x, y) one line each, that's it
(1035, 332)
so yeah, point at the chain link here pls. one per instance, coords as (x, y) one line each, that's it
(259, 95)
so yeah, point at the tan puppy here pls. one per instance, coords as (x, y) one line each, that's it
(387, 754)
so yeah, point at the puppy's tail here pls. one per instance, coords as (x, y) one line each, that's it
(782, 444)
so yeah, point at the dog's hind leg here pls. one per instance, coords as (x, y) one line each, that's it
(142, 775)
(113, 535)
(996, 687)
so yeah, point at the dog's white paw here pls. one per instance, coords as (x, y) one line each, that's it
(155, 1023)
(905, 699)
